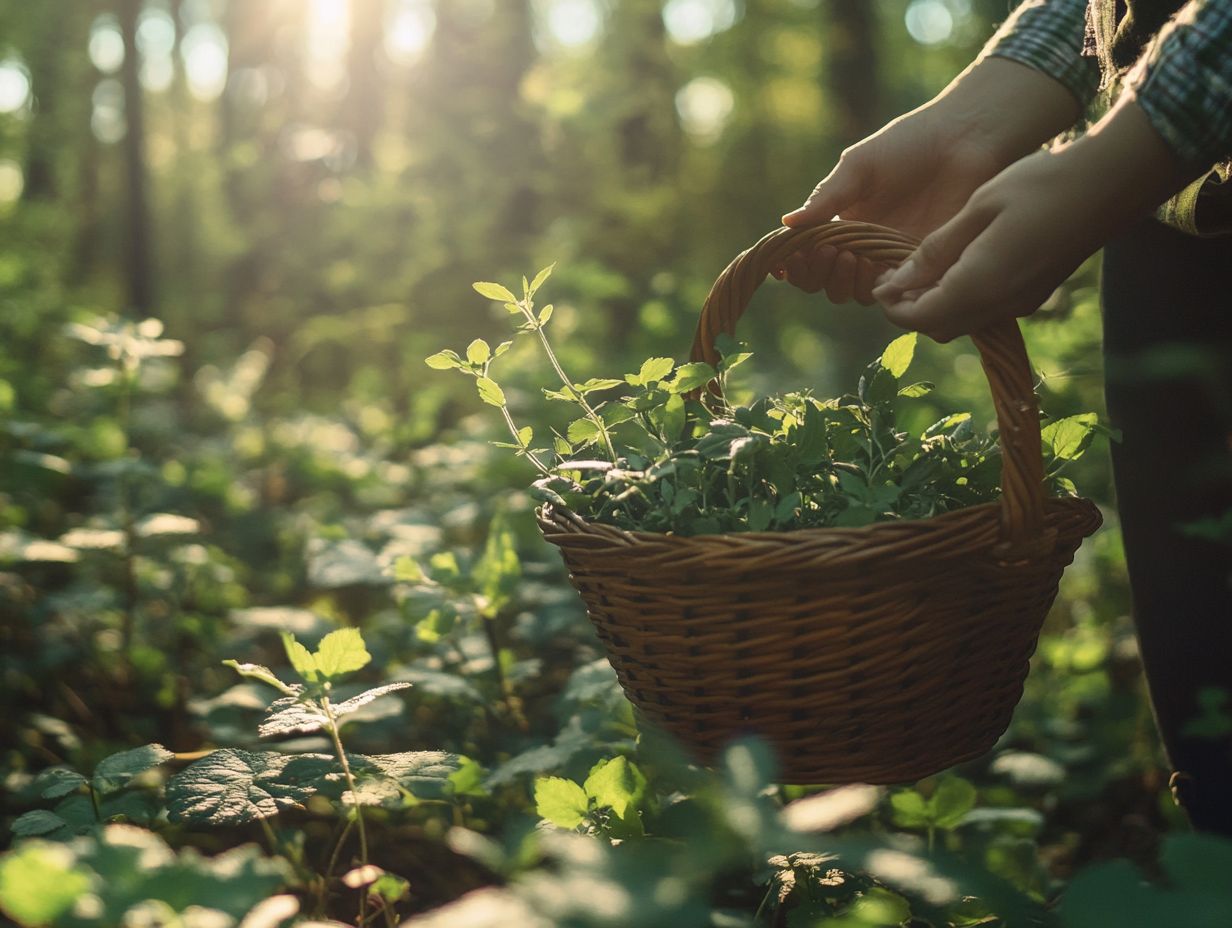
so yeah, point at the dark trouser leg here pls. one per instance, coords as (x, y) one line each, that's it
(1168, 345)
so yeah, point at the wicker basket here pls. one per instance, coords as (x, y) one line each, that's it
(879, 654)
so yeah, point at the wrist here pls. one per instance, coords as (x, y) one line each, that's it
(1124, 157)
(1008, 108)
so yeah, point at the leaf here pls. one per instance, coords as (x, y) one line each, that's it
(388, 779)
(616, 413)
(292, 716)
(1070, 437)
(302, 661)
(494, 292)
(561, 802)
(116, 771)
(232, 787)
(501, 349)
(526, 435)
(597, 383)
(654, 370)
(262, 674)
(918, 389)
(691, 376)
(341, 652)
(616, 784)
(38, 822)
(909, 809)
(490, 392)
(58, 781)
(541, 277)
(761, 514)
(355, 703)
(954, 798)
(443, 360)
(898, 354)
(39, 882)
(582, 430)
(673, 418)
(545, 314)
(478, 352)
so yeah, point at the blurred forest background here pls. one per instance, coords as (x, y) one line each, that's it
(302, 191)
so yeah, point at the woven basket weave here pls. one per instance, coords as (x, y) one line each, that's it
(879, 654)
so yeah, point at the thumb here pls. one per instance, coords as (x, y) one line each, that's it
(934, 256)
(833, 194)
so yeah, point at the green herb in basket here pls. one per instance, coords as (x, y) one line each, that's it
(658, 451)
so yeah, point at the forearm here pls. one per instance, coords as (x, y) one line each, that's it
(1014, 107)
(1184, 85)
(1048, 35)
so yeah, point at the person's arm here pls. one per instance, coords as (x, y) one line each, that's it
(1027, 85)
(1183, 83)
(1027, 229)
(1048, 35)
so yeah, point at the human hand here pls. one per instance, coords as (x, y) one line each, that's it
(918, 172)
(1023, 232)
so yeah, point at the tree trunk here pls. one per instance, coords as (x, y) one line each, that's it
(852, 72)
(139, 260)
(364, 105)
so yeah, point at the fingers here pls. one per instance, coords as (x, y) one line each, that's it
(841, 274)
(836, 191)
(979, 287)
(934, 257)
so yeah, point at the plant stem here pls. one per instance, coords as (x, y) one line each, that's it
(590, 412)
(332, 728)
(543, 469)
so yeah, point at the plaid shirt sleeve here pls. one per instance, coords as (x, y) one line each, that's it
(1048, 35)
(1183, 82)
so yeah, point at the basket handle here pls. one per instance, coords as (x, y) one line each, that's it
(1001, 348)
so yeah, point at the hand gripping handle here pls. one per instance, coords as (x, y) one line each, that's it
(1002, 353)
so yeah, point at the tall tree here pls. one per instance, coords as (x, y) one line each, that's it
(853, 72)
(364, 103)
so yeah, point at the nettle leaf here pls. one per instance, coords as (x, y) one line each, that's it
(58, 781)
(355, 703)
(116, 771)
(909, 809)
(232, 787)
(262, 674)
(582, 430)
(653, 370)
(898, 354)
(597, 383)
(394, 780)
(443, 360)
(292, 716)
(38, 822)
(561, 802)
(494, 292)
(341, 652)
(302, 661)
(617, 784)
(672, 419)
(953, 799)
(691, 376)
(1068, 438)
(478, 352)
(541, 278)
(490, 391)
(40, 881)
(918, 389)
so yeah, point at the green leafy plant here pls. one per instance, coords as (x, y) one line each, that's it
(87, 802)
(676, 456)
(234, 787)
